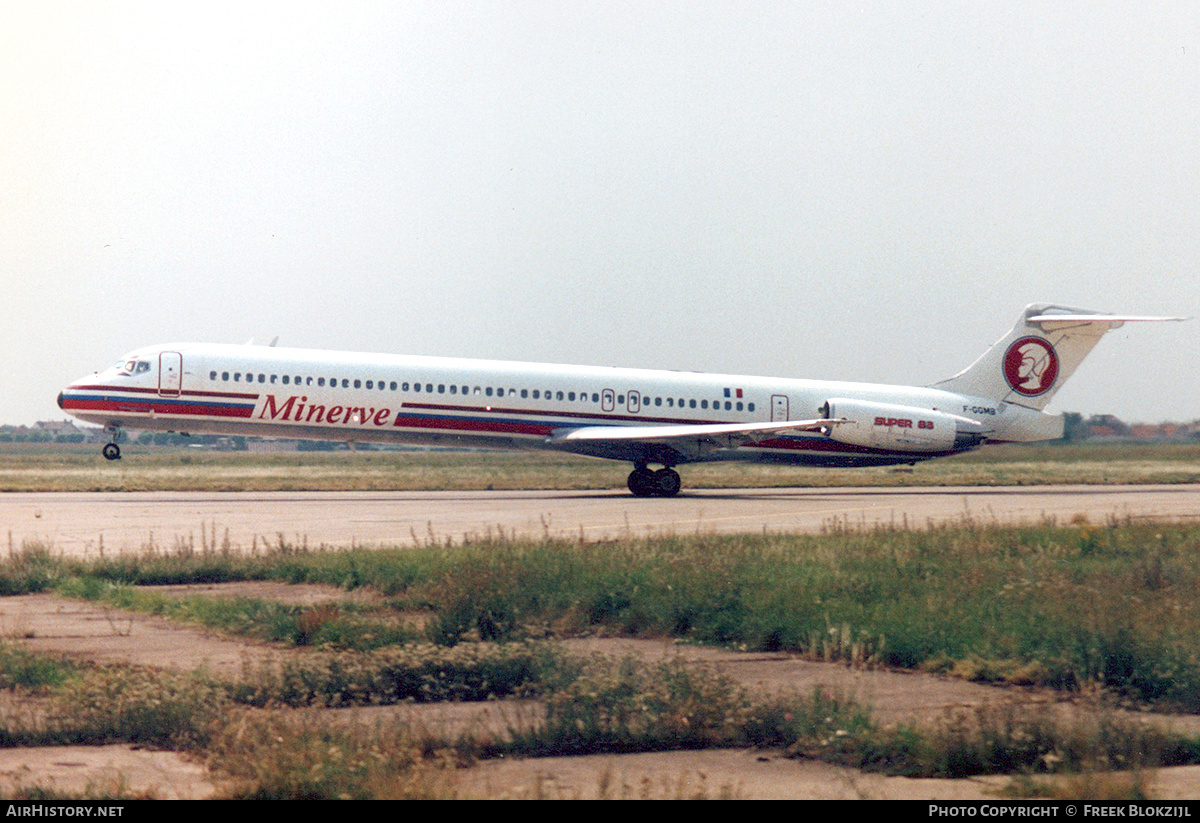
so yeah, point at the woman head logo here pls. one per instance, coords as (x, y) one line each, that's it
(1030, 366)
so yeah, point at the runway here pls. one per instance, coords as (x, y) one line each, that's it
(86, 524)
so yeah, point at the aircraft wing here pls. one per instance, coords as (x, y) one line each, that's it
(684, 439)
(661, 434)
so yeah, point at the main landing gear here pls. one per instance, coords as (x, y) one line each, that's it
(662, 483)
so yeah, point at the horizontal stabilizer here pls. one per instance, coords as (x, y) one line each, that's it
(1115, 319)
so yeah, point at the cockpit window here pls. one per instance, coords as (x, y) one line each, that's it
(133, 367)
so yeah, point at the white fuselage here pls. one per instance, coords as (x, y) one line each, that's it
(309, 394)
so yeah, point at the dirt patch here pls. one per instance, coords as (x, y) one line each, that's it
(77, 629)
(300, 594)
(48, 624)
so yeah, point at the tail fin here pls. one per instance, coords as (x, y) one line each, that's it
(1029, 364)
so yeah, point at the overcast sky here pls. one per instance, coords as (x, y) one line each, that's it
(865, 191)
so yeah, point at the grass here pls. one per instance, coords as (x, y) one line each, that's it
(1070, 607)
(341, 625)
(589, 705)
(1104, 611)
(80, 468)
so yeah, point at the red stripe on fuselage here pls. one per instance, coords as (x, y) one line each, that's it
(130, 390)
(164, 409)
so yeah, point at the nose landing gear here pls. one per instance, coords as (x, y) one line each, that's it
(662, 483)
(111, 450)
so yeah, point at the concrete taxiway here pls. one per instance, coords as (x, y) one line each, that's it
(86, 524)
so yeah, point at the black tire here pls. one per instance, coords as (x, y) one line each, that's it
(641, 482)
(111, 452)
(667, 483)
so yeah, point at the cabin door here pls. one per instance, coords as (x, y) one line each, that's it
(779, 408)
(170, 373)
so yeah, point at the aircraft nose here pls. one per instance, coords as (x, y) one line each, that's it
(60, 405)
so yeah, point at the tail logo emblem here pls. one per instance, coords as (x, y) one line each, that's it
(1030, 366)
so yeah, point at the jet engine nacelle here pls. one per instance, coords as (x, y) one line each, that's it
(893, 427)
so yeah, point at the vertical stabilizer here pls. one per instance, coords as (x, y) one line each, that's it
(1029, 364)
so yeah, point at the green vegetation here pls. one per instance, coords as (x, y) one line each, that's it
(80, 468)
(1062, 606)
(592, 705)
(1101, 611)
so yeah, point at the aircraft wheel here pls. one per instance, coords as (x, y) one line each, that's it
(112, 452)
(667, 483)
(641, 482)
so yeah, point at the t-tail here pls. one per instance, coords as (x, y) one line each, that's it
(1030, 363)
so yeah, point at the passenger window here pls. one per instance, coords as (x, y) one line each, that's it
(404, 386)
(225, 375)
(370, 384)
(274, 377)
(524, 392)
(358, 384)
(212, 375)
(320, 381)
(453, 389)
(728, 405)
(739, 405)
(537, 394)
(262, 378)
(571, 396)
(441, 388)
(237, 377)
(393, 385)
(692, 404)
(750, 407)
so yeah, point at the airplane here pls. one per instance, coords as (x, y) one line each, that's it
(640, 416)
